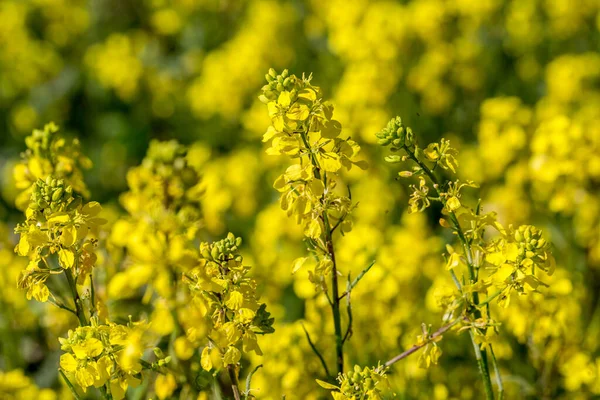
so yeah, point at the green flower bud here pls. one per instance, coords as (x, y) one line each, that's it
(57, 194)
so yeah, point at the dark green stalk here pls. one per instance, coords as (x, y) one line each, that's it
(235, 384)
(76, 299)
(335, 307)
(497, 373)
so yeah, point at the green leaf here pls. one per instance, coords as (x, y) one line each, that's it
(326, 385)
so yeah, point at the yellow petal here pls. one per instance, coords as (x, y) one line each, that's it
(205, 360)
(330, 162)
(298, 263)
(284, 99)
(66, 258)
(235, 300)
(232, 356)
(453, 203)
(91, 209)
(68, 362)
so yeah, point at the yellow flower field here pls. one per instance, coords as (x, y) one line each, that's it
(299, 199)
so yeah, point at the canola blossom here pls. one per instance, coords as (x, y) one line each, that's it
(201, 223)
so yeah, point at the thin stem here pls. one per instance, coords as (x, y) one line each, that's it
(416, 347)
(316, 351)
(93, 294)
(483, 368)
(69, 384)
(497, 374)
(349, 310)
(335, 307)
(249, 382)
(235, 384)
(76, 299)
(61, 305)
(490, 298)
(357, 279)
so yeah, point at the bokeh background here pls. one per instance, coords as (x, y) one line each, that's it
(514, 84)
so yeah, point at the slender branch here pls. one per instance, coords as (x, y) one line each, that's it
(76, 299)
(69, 384)
(335, 308)
(357, 279)
(316, 351)
(61, 305)
(349, 310)
(497, 373)
(416, 347)
(93, 293)
(235, 384)
(490, 298)
(249, 382)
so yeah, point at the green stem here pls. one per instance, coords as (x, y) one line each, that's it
(249, 382)
(62, 306)
(490, 298)
(357, 279)
(316, 351)
(76, 299)
(69, 384)
(483, 368)
(235, 384)
(479, 355)
(335, 306)
(497, 373)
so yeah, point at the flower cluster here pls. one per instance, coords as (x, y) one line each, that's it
(513, 256)
(105, 355)
(57, 224)
(50, 154)
(164, 220)
(302, 127)
(361, 383)
(59, 236)
(233, 308)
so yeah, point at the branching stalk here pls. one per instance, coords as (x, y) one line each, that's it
(76, 299)
(416, 347)
(316, 351)
(481, 356)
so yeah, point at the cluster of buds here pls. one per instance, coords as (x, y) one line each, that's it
(396, 135)
(530, 241)
(223, 250)
(277, 83)
(41, 140)
(48, 153)
(54, 195)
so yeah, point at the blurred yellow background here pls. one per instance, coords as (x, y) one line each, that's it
(514, 84)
